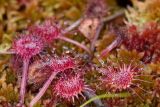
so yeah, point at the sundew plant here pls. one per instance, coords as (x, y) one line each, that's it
(79, 53)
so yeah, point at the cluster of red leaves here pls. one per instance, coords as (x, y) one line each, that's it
(69, 82)
(40, 70)
(30, 44)
(33, 42)
(62, 64)
(146, 41)
(69, 86)
(27, 46)
(118, 77)
(48, 31)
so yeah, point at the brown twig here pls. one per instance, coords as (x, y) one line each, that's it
(96, 36)
(72, 26)
(114, 44)
(75, 43)
(114, 16)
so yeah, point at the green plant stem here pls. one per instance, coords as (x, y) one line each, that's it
(109, 95)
